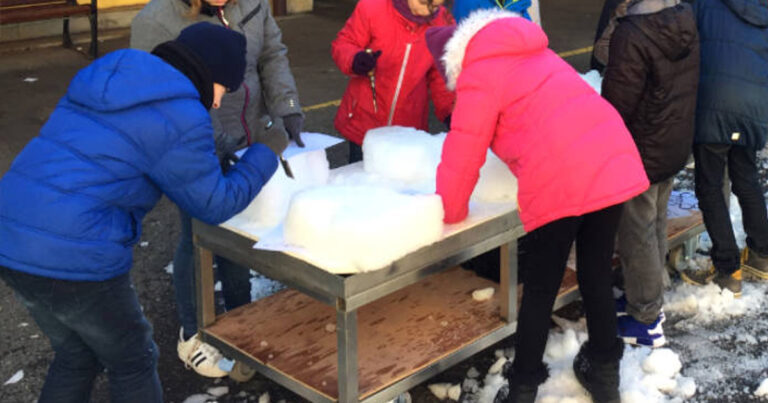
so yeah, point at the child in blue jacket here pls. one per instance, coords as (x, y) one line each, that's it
(132, 126)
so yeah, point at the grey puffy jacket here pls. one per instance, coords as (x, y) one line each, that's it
(269, 87)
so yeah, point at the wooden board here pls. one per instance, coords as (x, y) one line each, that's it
(397, 335)
(679, 225)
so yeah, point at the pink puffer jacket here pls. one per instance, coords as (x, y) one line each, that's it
(567, 146)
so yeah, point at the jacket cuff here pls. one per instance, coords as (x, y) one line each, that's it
(287, 106)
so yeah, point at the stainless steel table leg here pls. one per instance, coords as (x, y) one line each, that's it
(346, 336)
(508, 285)
(206, 308)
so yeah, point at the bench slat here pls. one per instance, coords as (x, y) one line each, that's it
(27, 14)
(31, 3)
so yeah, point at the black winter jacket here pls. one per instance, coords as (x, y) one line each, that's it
(733, 90)
(651, 79)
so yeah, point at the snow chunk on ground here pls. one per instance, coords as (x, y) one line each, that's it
(362, 228)
(483, 294)
(454, 392)
(200, 398)
(19, 375)
(646, 375)
(440, 390)
(218, 391)
(702, 305)
(763, 389)
(662, 361)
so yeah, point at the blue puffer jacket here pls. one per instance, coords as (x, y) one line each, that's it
(463, 8)
(129, 128)
(733, 89)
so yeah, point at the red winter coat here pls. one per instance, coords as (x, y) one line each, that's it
(567, 146)
(404, 71)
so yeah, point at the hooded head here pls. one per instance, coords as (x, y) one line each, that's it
(463, 8)
(207, 54)
(669, 24)
(221, 50)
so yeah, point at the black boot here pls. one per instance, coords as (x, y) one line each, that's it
(598, 372)
(521, 387)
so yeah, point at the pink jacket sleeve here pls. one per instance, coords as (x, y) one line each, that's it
(441, 96)
(473, 126)
(353, 37)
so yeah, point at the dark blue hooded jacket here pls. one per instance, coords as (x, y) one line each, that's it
(463, 8)
(733, 89)
(130, 128)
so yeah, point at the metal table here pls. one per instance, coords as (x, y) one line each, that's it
(347, 293)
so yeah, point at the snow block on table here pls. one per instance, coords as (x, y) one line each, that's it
(361, 228)
(410, 156)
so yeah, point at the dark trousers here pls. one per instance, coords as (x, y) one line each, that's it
(711, 160)
(235, 280)
(92, 326)
(543, 257)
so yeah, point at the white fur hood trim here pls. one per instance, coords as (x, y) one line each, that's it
(457, 45)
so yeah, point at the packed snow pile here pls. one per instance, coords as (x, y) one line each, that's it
(362, 228)
(270, 206)
(646, 375)
(408, 158)
(364, 216)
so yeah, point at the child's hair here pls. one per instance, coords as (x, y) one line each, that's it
(194, 8)
(196, 5)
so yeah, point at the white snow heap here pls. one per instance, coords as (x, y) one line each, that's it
(762, 390)
(361, 228)
(702, 305)
(646, 375)
(270, 206)
(408, 158)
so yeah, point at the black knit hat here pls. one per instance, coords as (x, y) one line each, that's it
(221, 49)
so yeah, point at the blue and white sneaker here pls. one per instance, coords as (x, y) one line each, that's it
(621, 305)
(640, 334)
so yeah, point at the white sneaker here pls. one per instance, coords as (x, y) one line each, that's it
(202, 357)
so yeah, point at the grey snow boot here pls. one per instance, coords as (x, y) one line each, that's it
(599, 373)
(521, 387)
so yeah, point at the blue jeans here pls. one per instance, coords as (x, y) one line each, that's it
(92, 326)
(235, 280)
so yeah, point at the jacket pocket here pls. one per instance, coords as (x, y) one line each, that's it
(250, 15)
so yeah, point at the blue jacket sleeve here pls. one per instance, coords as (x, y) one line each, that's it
(190, 175)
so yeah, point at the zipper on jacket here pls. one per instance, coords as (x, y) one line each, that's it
(399, 84)
(243, 121)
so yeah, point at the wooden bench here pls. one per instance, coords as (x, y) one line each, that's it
(18, 11)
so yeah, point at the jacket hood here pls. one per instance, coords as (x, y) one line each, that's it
(672, 28)
(127, 78)
(507, 39)
(754, 12)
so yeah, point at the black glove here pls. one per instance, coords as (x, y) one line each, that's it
(365, 62)
(293, 124)
(447, 122)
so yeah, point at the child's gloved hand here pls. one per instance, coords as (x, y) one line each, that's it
(365, 62)
(293, 124)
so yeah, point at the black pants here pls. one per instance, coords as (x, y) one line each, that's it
(543, 257)
(711, 160)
